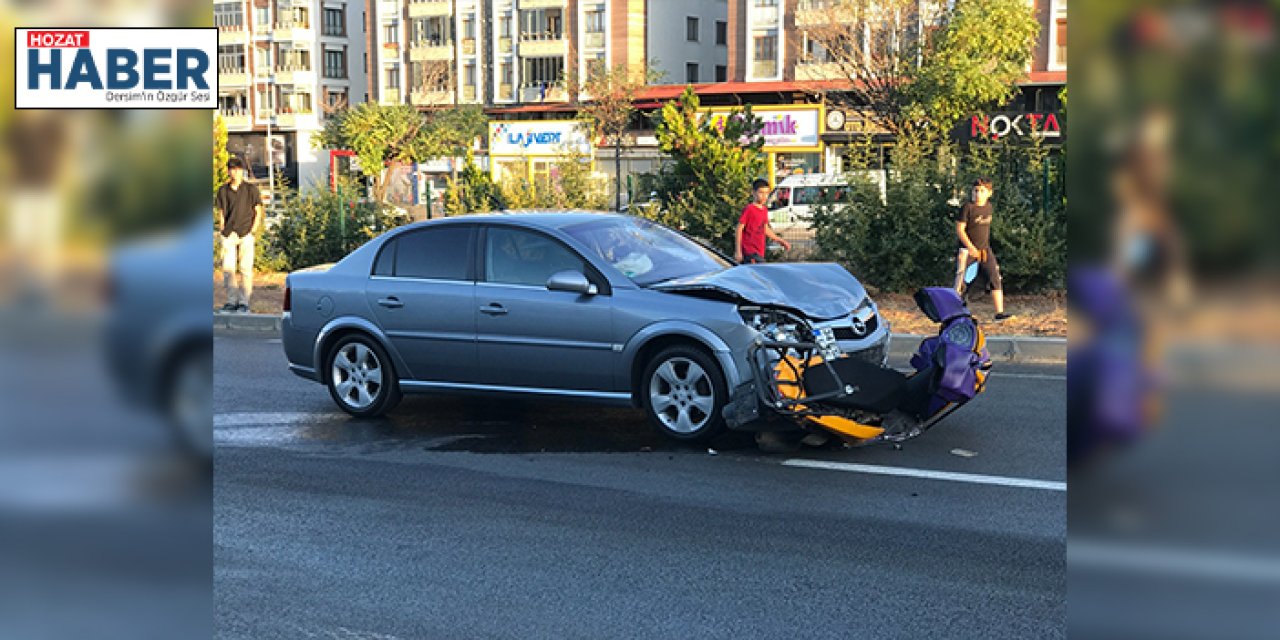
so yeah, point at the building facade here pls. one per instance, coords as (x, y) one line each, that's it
(282, 65)
(500, 53)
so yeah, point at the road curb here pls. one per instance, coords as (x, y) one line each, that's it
(1001, 348)
(246, 321)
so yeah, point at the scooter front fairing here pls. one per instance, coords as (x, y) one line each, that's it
(863, 402)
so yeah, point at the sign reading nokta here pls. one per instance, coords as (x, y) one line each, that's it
(116, 69)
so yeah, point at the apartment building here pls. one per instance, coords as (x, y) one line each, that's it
(433, 53)
(281, 65)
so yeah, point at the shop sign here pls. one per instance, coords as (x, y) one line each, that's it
(1021, 125)
(783, 129)
(540, 138)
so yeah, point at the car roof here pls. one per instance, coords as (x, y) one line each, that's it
(546, 218)
(812, 180)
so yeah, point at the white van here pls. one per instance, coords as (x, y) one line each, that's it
(792, 200)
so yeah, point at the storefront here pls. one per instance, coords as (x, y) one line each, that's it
(792, 138)
(531, 149)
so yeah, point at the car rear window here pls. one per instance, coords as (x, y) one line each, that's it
(442, 254)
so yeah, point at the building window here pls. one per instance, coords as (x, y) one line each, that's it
(691, 29)
(336, 99)
(469, 75)
(231, 58)
(228, 16)
(504, 27)
(538, 72)
(1061, 36)
(722, 73)
(335, 64)
(691, 72)
(541, 24)
(391, 32)
(595, 21)
(393, 77)
(504, 73)
(722, 32)
(766, 48)
(469, 28)
(766, 3)
(334, 22)
(262, 18)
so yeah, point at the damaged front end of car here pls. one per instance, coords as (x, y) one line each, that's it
(801, 373)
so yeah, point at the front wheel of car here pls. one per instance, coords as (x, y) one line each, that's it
(684, 394)
(360, 377)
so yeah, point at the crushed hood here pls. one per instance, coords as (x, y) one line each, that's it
(820, 291)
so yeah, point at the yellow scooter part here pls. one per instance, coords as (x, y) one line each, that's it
(789, 387)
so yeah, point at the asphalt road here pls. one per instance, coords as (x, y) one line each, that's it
(474, 518)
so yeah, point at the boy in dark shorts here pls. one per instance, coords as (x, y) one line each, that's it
(973, 228)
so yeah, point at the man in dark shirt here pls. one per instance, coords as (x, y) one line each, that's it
(973, 228)
(240, 204)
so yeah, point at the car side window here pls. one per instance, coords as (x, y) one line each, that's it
(515, 256)
(386, 264)
(443, 253)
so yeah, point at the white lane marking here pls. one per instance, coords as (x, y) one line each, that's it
(972, 478)
(222, 420)
(1172, 561)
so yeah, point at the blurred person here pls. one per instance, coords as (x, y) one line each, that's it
(1147, 250)
(973, 229)
(37, 143)
(240, 205)
(753, 227)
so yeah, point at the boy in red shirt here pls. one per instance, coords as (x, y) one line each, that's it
(753, 228)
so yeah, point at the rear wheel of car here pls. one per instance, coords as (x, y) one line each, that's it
(684, 393)
(360, 377)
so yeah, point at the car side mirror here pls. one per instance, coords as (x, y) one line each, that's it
(570, 280)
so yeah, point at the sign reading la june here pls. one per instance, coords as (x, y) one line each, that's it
(538, 138)
(116, 68)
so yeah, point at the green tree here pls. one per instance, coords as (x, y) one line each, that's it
(220, 155)
(967, 58)
(712, 164)
(472, 191)
(382, 134)
(975, 60)
(612, 93)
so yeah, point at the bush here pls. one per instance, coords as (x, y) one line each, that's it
(472, 192)
(571, 185)
(319, 227)
(909, 241)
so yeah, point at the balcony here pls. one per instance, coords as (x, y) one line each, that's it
(232, 34)
(430, 98)
(295, 75)
(541, 4)
(425, 50)
(261, 73)
(390, 96)
(817, 71)
(504, 45)
(292, 120)
(504, 92)
(233, 77)
(468, 46)
(763, 69)
(294, 31)
(815, 12)
(533, 93)
(238, 122)
(541, 45)
(469, 94)
(764, 17)
(429, 8)
(593, 41)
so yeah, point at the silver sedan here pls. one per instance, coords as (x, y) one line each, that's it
(584, 306)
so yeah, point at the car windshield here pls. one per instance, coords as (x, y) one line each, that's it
(644, 251)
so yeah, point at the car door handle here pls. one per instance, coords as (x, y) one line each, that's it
(494, 309)
(391, 303)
